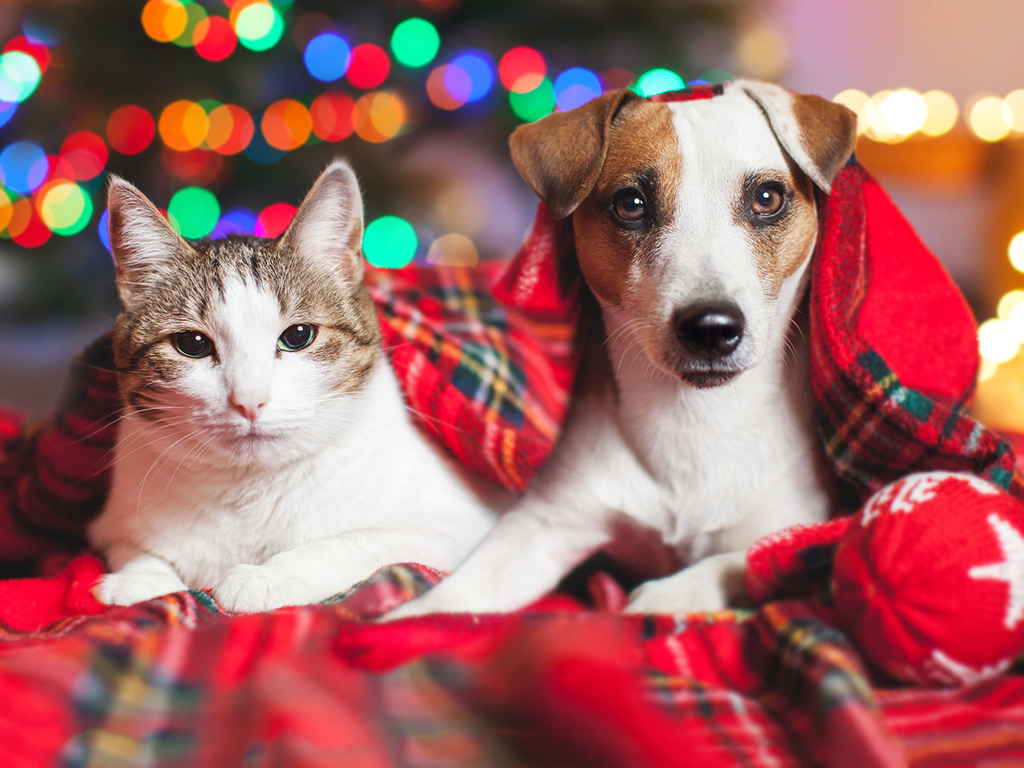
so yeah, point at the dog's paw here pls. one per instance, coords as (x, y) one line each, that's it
(705, 587)
(132, 588)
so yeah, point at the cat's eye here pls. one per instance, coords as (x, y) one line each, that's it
(629, 205)
(192, 344)
(296, 337)
(769, 200)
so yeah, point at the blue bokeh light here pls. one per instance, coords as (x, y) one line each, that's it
(327, 57)
(24, 166)
(103, 229)
(480, 68)
(575, 87)
(7, 110)
(237, 221)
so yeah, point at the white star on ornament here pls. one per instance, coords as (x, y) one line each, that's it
(1011, 570)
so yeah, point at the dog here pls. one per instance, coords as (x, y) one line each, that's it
(691, 432)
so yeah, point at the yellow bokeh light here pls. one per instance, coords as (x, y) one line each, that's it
(904, 112)
(1015, 319)
(942, 113)
(453, 250)
(876, 127)
(997, 341)
(987, 369)
(164, 20)
(990, 118)
(1016, 251)
(1008, 302)
(855, 100)
(1015, 103)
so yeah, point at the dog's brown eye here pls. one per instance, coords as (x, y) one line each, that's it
(628, 205)
(768, 200)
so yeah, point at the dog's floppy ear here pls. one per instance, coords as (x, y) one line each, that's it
(819, 135)
(561, 155)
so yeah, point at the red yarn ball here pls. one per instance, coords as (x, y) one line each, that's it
(929, 579)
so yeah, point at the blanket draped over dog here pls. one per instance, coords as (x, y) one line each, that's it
(177, 682)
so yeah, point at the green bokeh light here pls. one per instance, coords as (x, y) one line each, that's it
(536, 104)
(196, 13)
(415, 42)
(19, 76)
(195, 211)
(259, 27)
(66, 209)
(389, 242)
(658, 81)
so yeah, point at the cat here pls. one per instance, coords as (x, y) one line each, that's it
(265, 451)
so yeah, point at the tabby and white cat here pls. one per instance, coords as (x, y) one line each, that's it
(265, 449)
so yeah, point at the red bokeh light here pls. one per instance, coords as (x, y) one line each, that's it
(130, 129)
(25, 227)
(214, 38)
(332, 116)
(370, 66)
(37, 51)
(274, 219)
(87, 154)
(522, 69)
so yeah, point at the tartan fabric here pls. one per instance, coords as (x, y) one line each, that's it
(172, 683)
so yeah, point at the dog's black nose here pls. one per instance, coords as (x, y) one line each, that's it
(709, 330)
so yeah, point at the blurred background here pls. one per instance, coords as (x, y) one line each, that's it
(224, 111)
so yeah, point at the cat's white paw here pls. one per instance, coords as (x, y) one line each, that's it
(132, 588)
(707, 586)
(258, 588)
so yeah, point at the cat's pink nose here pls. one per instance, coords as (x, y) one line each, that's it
(248, 404)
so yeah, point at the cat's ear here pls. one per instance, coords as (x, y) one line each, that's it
(328, 227)
(142, 242)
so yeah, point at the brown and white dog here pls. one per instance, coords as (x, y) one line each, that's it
(694, 226)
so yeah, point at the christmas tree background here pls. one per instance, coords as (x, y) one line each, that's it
(247, 100)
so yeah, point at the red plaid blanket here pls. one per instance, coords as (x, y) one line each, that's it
(174, 682)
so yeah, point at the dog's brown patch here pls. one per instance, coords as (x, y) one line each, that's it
(780, 247)
(828, 132)
(643, 152)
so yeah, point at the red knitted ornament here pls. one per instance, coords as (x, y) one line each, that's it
(929, 579)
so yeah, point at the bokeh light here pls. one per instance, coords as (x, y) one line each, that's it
(215, 38)
(238, 221)
(415, 43)
(64, 207)
(658, 81)
(24, 166)
(536, 104)
(130, 129)
(1015, 102)
(854, 100)
(196, 16)
(331, 113)
(286, 124)
(37, 51)
(904, 112)
(327, 57)
(369, 66)
(448, 87)
(259, 151)
(230, 131)
(183, 125)
(1008, 303)
(164, 20)
(522, 69)
(379, 116)
(389, 242)
(19, 76)
(26, 228)
(257, 23)
(86, 153)
(479, 67)
(274, 219)
(453, 250)
(990, 118)
(996, 341)
(942, 113)
(103, 229)
(195, 210)
(575, 87)
(1016, 249)
(6, 209)
(7, 111)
